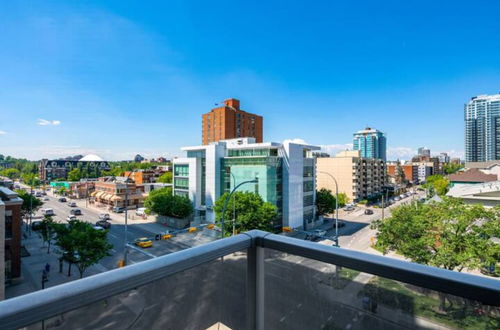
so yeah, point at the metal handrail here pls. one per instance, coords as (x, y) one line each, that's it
(34, 307)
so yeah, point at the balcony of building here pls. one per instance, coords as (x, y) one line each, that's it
(259, 280)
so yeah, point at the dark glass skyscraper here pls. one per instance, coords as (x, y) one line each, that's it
(482, 128)
(371, 143)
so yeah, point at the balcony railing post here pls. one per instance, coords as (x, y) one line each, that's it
(260, 299)
(255, 288)
(251, 287)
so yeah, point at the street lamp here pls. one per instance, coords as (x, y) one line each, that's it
(256, 180)
(336, 206)
(234, 204)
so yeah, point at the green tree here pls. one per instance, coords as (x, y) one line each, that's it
(325, 202)
(47, 231)
(250, 209)
(450, 235)
(165, 177)
(162, 202)
(29, 202)
(451, 168)
(61, 190)
(30, 179)
(81, 244)
(437, 184)
(75, 174)
(11, 173)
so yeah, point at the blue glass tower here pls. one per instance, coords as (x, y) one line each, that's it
(371, 143)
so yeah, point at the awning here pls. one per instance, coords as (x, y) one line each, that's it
(130, 197)
(93, 193)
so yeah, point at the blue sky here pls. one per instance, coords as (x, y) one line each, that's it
(118, 78)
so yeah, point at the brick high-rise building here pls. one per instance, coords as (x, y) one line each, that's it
(229, 122)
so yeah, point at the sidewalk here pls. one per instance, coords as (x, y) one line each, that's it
(33, 265)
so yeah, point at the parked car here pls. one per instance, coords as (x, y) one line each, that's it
(72, 204)
(319, 232)
(98, 228)
(349, 208)
(143, 242)
(104, 216)
(76, 212)
(44, 193)
(397, 198)
(71, 217)
(103, 223)
(118, 209)
(46, 199)
(38, 194)
(48, 212)
(141, 211)
(36, 225)
(62, 200)
(368, 211)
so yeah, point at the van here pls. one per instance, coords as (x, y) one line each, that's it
(49, 212)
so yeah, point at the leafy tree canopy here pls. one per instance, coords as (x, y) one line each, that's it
(250, 209)
(438, 184)
(325, 201)
(450, 234)
(165, 177)
(162, 202)
(11, 173)
(29, 201)
(451, 168)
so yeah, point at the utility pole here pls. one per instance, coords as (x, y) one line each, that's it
(31, 209)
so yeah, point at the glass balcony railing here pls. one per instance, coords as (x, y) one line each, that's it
(259, 280)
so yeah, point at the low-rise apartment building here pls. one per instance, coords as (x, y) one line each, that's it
(359, 178)
(285, 173)
(145, 176)
(11, 205)
(410, 172)
(118, 192)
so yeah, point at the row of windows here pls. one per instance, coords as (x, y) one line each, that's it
(181, 183)
(181, 170)
(308, 200)
(308, 186)
(252, 152)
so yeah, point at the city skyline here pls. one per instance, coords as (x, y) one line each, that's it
(73, 82)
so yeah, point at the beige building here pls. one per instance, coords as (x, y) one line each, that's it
(117, 192)
(359, 178)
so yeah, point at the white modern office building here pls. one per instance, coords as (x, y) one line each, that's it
(285, 173)
(482, 128)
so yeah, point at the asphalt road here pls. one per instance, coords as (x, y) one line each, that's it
(116, 234)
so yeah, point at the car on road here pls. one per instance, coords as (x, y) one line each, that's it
(349, 208)
(143, 242)
(397, 199)
(62, 200)
(72, 204)
(38, 194)
(48, 212)
(319, 232)
(141, 211)
(104, 216)
(98, 228)
(76, 212)
(118, 209)
(46, 199)
(103, 223)
(71, 218)
(44, 193)
(36, 225)
(368, 211)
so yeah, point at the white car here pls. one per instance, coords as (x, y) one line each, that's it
(141, 211)
(71, 217)
(104, 216)
(98, 228)
(49, 212)
(397, 198)
(320, 232)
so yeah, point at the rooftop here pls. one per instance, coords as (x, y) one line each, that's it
(472, 175)
(91, 158)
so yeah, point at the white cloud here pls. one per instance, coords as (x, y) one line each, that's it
(3, 132)
(296, 140)
(401, 153)
(44, 122)
(333, 149)
(456, 153)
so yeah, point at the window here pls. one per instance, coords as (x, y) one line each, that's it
(8, 227)
(308, 216)
(181, 170)
(308, 200)
(181, 183)
(308, 186)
